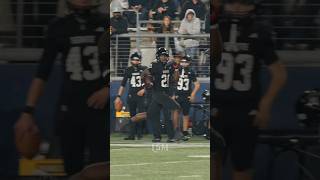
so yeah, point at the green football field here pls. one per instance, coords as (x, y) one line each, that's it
(144, 160)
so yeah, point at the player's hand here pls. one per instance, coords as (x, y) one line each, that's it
(192, 98)
(25, 123)
(141, 92)
(262, 117)
(174, 97)
(98, 99)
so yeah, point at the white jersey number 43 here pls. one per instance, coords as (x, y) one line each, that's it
(74, 63)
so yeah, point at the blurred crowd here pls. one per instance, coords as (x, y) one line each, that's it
(184, 17)
(296, 23)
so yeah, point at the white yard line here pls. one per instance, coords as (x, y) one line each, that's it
(137, 164)
(170, 145)
(199, 156)
(191, 176)
(143, 164)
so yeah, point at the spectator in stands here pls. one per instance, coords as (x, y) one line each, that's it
(162, 8)
(197, 5)
(190, 25)
(136, 6)
(119, 25)
(166, 27)
(121, 4)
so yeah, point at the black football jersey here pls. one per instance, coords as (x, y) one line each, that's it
(162, 75)
(76, 38)
(184, 84)
(133, 74)
(247, 45)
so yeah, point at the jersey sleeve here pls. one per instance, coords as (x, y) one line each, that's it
(104, 54)
(51, 50)
(193, 76)
(125, 78)
(266, 47)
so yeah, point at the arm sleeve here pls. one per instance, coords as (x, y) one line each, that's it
(51, 50)
(193, 77)
(104, 54)
(125, 79)
(266, 48)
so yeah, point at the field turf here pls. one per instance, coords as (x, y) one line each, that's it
(144, 160)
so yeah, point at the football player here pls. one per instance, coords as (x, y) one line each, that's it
(159, 77)
(135, 95)
(185, 94)
(215, 34)
(84, 91)
(242, 110)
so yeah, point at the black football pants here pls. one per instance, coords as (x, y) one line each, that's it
(136, 105)
(83, 128)
(161, 100)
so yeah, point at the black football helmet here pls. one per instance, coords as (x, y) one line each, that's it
(308, 109)
(206, 95)
(186, 58)
(162, 51)
(136, 56)
(185, 61)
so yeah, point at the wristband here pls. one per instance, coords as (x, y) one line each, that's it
(28, 109)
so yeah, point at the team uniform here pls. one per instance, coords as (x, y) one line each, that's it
(162, 74)
(184, 88)
(136, 103)
(247, 46)
(76, 36)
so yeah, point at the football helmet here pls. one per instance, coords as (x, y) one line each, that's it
(185, 61)
(162, 52)
(308, 109)
(206, 95)
(135, 59)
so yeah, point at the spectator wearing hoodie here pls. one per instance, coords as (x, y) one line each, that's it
(190, 25)
(197, 5)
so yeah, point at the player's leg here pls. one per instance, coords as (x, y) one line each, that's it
(72, 138)
(219, 143)
(173, 107)
(185, 106)
(141, 108)
(242, 148)
(175, 119)
(168, 123)
(139, 117)
(154, 109)
(176, 115)
(132, 103)
(97, 135)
